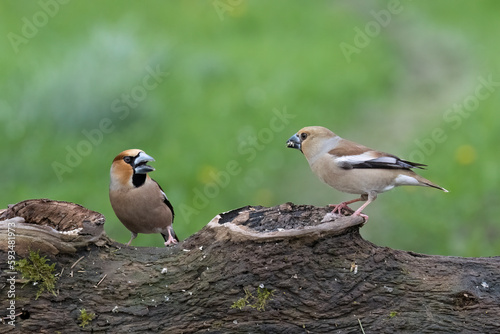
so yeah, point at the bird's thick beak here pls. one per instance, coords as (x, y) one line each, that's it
(294, 142)
(140, 163)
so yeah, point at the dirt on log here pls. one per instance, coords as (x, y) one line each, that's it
(285, 269)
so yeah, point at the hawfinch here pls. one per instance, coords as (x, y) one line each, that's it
(138, 201)
(353, 168)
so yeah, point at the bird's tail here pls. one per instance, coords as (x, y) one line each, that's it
(426, 183)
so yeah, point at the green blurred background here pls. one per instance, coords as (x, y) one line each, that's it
(233, 80)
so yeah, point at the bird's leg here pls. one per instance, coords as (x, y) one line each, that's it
(371, 197)
(170, 240)
(134, 235)
(343, 206)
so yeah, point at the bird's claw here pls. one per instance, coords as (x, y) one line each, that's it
(362, 215)
(170, 241)
(342, 209)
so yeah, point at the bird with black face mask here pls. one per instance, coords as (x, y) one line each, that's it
(137, 200)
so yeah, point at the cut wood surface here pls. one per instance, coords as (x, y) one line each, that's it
(285, 269)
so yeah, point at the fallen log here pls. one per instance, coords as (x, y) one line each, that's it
(285, 269)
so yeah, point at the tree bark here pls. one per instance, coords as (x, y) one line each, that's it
(301, 270)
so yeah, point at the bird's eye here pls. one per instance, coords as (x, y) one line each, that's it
(127, 159)
(303, 135)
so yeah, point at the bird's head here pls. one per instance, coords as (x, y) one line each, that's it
(130, 163)
(310, 140)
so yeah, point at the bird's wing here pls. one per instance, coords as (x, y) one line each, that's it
(348, 155)
(165, 200)
(375, 159)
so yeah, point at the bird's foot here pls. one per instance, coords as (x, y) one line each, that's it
(342, 208)
(362, 215)
(170, 241)
(359, 213)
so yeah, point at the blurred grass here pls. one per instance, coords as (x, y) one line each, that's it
(226, 77)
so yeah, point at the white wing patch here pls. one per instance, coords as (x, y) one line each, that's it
(360, 158)
(387, 160)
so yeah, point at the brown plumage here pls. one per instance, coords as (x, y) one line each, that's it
(354, 168)
(137, 200)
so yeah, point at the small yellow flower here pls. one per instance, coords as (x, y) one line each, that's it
(465, 154)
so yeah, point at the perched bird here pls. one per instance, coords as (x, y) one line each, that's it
(138, 200)
(353, 168)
